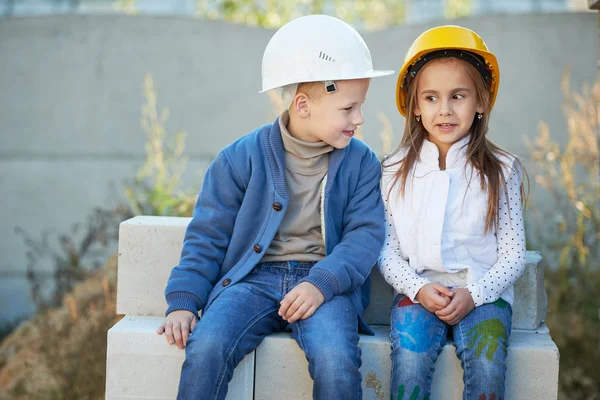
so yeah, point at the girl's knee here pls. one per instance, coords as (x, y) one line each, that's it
(486, 381)
(484, 377)
(489, 371)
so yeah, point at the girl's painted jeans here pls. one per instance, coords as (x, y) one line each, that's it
(418, 337)
(241, 317)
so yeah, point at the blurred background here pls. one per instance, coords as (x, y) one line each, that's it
(111, 109)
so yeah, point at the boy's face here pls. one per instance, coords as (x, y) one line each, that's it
(333, 117)
(446, 101)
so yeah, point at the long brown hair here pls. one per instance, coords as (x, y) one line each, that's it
(482, 153)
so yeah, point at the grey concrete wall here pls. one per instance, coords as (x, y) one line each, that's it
(72, 91)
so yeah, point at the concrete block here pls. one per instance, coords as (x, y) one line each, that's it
(531, 305)
(382, 295)
(142, 365)
(149, 247)
(532, 371)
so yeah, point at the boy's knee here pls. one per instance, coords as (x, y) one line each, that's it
(341, 369)
(330, 357)
(204, 345)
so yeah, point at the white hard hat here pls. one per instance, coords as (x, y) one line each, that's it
(316, 48)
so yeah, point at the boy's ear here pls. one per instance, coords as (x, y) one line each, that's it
(301, 105)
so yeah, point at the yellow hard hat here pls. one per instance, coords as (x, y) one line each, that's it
(446, 41)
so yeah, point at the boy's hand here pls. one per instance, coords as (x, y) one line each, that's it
(301, 302)
(434, 296)
(177, 327)
(462, 304)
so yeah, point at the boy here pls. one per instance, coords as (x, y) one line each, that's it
(288, 224)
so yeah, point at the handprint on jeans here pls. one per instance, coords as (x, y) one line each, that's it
(414, 334)
(501, 303)
(492, 397)
(414, 395)
(491, 334)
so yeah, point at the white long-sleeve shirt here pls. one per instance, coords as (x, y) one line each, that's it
(436, 231)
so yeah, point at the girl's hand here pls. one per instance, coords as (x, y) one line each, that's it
(177, 327)
(460, 306)
(301, 302)
(434, 296)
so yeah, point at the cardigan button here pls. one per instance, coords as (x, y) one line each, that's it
(226, 282)
(277, 207)
(257, 248)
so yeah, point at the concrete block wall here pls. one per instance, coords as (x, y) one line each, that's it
(142, 365)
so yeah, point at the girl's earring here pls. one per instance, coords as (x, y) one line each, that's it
(418, 118)
(479, 116)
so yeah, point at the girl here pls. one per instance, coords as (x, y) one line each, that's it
(455, 243)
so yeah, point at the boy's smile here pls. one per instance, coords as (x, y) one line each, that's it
(329, 117)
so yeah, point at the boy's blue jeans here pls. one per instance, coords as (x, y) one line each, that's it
(418, 337)
(241, 317)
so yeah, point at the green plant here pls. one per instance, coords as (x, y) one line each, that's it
(61, 352)
(371, 14)
(457, 8)
(566, 229)
(157, 186)
(571, 179)
(7, 326)
(73, 256)
(367, 14)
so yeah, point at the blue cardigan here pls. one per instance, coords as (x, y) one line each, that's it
(242, 203)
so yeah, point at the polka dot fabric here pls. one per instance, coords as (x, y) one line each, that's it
(511, 247)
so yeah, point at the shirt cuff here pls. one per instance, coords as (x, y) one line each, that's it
(476, 293)
(414, 288)
(183, 301)
(324, 281)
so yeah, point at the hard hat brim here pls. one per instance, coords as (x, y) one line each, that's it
(365, 75)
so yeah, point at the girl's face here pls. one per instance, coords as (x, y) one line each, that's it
(446, 101)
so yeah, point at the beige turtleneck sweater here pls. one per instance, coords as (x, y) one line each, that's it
(299, 236)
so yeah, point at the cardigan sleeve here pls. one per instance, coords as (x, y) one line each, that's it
(206, 238)
(351, 261)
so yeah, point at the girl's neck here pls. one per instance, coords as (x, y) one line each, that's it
(443, 152)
